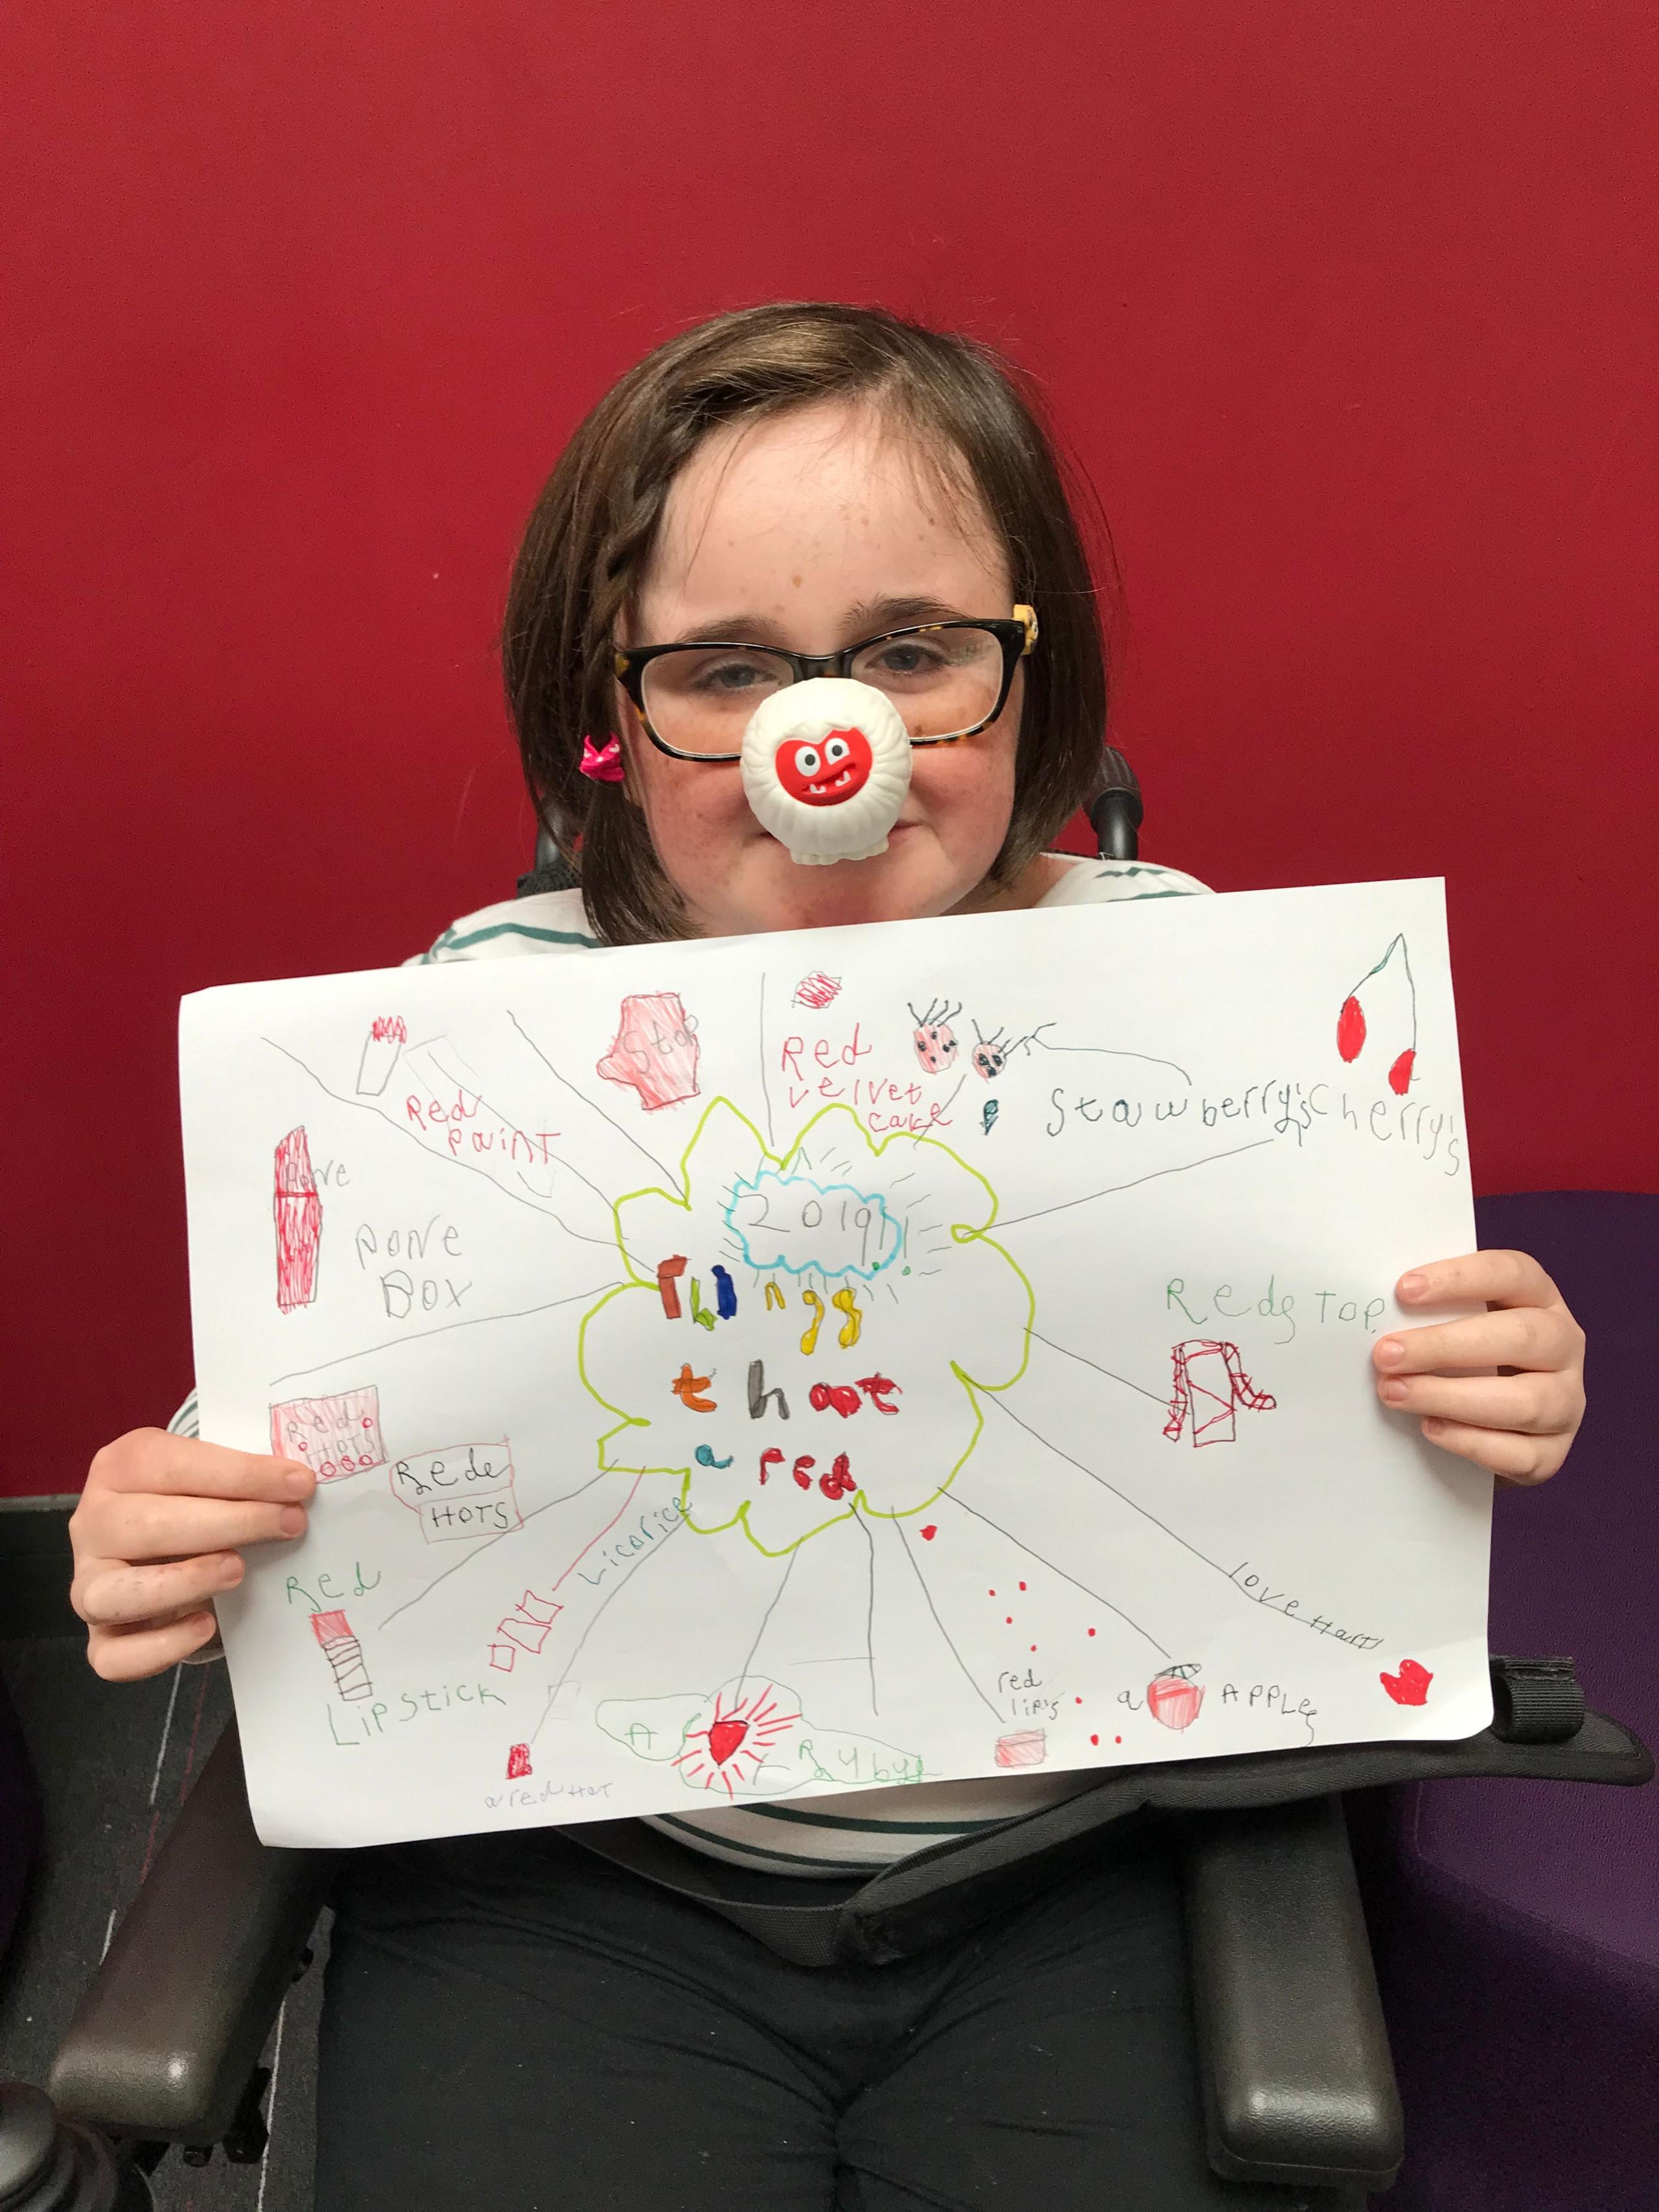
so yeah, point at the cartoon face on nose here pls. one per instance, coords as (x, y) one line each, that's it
(823, 772)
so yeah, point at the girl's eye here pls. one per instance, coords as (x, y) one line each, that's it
(806, 761)
(837, 749)
(729, 675)
(909, 660)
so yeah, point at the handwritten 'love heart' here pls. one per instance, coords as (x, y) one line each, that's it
(724, 1737)
(1410, 1687)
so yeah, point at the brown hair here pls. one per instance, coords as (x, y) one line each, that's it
(593, 527)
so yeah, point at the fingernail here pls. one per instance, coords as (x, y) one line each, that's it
(299, 1484)
(230, 1571)
(1393, 1393)
(1390, 1351)
(291, 1521)
(1412, 1286)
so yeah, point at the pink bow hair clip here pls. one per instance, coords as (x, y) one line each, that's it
(602, 763)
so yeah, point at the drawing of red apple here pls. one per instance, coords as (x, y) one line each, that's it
(1410, 1687)
(1174, 1704)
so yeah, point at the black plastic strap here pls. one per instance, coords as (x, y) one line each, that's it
(1535, 1700)
(937, 1893)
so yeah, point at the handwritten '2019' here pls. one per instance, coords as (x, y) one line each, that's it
(791, 1223)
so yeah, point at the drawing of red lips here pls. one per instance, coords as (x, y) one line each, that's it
(826, 771)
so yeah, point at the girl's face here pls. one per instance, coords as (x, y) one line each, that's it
(814, 530)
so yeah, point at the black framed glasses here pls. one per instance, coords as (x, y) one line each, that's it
(946, 679)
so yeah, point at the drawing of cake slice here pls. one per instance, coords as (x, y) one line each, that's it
(1377, 1023)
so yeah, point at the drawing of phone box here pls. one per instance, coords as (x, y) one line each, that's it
(460, 1492)
(333, 1437)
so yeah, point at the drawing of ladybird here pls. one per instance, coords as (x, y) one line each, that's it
(823, 772)
(990, 1053)
(934, 1039)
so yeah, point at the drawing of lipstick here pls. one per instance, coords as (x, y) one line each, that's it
(299, 1216)
(344, 1653)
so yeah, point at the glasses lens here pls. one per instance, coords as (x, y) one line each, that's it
(941, 680)
(699, 697)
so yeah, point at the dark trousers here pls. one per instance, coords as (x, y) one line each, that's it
(511, 2022)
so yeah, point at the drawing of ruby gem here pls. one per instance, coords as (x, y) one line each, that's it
(724, 1737)
(1173, 1703)
(1410, 1687)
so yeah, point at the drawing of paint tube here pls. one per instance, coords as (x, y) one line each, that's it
(387, 1035)
(299, 1216)
(344, 1653)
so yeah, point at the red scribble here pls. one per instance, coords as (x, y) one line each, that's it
(817, 990)
(518, 1762)
(333, 1437)
(735, 1741)
(389, 1025)
(930, 1532)
(1351, 1030)
(1209, 1384)
(1399, 1075)
(1410, 1687)
(297, 1212)
(1024, 1747)
(1174, 1703)
(654, 1052)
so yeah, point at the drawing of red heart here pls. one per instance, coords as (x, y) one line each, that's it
(930, 1532)
(724, 1737)
(1410, 1687)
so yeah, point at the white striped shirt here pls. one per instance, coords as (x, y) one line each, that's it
(851, 1832)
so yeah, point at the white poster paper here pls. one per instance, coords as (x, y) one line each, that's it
(746, 1370)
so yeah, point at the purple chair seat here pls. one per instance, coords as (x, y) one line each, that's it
(1521, 1964)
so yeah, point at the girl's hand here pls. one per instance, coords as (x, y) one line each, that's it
(155, 1538)
(1518, 1421)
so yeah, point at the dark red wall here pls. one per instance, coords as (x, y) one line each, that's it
(1348, 310)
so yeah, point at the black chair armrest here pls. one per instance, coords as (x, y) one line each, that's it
(161, 2045)
(1297, 2077)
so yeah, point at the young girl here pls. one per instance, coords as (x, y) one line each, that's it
(510, 2021)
